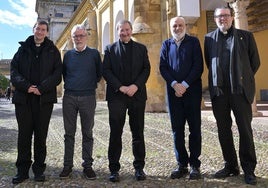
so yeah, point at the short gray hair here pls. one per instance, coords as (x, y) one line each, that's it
(80, 27)
(122, 22)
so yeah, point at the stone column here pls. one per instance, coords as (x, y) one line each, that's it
(240, 14)
(91, 26)
(155, 84)
(241, 22)
(148, 29)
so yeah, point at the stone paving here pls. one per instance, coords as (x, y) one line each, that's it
(160, 160)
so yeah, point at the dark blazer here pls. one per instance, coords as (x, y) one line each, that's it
(113, 70)
(50, 70)
(191, 62)
(245, 57)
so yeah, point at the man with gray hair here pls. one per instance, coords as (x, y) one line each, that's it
(81, 73)
(181, 65)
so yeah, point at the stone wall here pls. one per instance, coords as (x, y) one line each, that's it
(150, 12)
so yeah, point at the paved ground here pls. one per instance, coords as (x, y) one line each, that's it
(160, 160)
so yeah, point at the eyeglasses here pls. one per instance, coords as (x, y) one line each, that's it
(78, 36)
(222, 16)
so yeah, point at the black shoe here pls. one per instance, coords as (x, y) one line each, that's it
(140, 175)
(89, 173)
(179, 172)
(114, 177)
(19, 178)
(66, 173)
(40, 177)
(250, 179)
(194, 173)
(226, 172)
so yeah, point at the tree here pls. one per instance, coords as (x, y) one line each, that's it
(4, 82)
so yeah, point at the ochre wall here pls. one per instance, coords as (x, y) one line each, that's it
(201, 27)
(262, 74)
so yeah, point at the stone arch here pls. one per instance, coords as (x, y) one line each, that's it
(119, 16)
(105, 35)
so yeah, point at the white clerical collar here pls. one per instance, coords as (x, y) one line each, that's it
(224, 32)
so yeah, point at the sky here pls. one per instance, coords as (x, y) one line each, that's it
(17, 18)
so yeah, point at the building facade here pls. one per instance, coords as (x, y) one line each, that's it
(57, 13)
(150, 20)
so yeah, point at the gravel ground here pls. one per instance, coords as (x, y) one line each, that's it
(160, 159)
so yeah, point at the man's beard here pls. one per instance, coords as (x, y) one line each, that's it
(223, 28)
(179, 36)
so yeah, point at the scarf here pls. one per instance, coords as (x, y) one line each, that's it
(235, 71)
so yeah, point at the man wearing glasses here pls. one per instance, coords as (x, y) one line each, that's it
(232, 59)
(81, 73)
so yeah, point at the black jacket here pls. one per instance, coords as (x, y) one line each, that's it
(113, 70)
(50, 71)
(244, 64)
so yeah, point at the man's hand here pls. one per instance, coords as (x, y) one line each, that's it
(179, 89)
(123, 89)
(129, 90)
(33, 89)
(132, 89)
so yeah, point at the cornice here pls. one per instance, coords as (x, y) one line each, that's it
(78, 17)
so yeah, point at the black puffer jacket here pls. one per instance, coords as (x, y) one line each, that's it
(50, 71)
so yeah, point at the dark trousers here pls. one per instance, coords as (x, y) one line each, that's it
(85, 106)
(117, 116)
(33, 119)
(222, 106)
(182, 109)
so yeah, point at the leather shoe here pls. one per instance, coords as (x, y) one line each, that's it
(40, 177)
(250, 179)
(114, 177)
(66, 173)
(194, 173)
(179, 172)
(19, 178)
(140, 175)
(226, 172)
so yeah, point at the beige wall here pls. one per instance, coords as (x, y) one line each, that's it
(201, 27)
(261, 76)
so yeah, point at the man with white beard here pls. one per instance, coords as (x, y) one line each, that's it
(181, 65)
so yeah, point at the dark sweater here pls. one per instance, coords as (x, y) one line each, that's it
(81, 72)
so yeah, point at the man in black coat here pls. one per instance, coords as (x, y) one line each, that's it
(126, 68)
(232, 59)
(35, 72)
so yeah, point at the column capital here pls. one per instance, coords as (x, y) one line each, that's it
(238, 5)
(240, 12)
